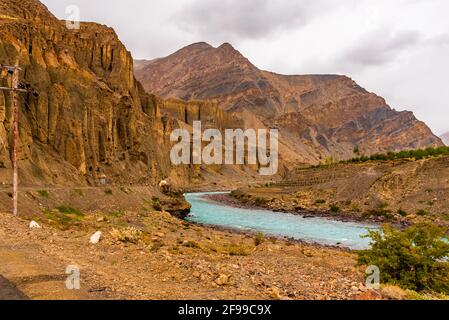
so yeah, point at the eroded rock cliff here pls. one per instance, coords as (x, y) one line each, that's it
(90, 117)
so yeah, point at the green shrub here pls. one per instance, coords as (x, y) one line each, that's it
(415, 258)
(380, 212)
(108, 192)
(237, 194)
(402, 212)
(260, 201)
(70, 211)
(422, 212)
(383, 205)
(259, 239)
(64, 216)
(118, 214)
(155, 203)
(334, 208)
(406, 154)
(320, 201)
(43, 193)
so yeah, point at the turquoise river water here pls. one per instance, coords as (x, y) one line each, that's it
(314, 230)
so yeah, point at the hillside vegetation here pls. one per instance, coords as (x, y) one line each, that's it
(400, 190)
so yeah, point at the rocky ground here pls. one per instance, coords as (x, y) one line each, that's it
(166, 259)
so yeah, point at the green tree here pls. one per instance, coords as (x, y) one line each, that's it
(415, 258)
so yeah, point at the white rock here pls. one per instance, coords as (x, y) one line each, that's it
(34, 225)
(95, 237)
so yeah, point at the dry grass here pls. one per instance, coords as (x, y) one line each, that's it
(127, 235)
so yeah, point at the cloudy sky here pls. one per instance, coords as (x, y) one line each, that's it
(398, 49)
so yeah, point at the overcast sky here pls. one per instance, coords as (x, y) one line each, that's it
(398, 49)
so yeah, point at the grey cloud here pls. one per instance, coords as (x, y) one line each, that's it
(441, 40)
(381, 48)
(233, 20)
(157, 28)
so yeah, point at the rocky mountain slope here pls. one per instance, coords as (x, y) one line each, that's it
(319, 116)
(90, 117)
(401, 191)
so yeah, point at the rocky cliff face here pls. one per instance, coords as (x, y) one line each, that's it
(319, 116)
(91, 116)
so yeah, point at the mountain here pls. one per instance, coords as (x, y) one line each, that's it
(445, 138)
(319, 116)
(88, 119)
(91, 117)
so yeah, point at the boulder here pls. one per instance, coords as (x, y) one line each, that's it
(34, 225)
(95, 238)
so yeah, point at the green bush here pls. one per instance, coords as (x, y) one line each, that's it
(260, 201)
(259, 239)
(70, 211)
(415, 258)
(422, 212)
(43, 193)
(380, 212)
(334, 208)
(237, 194)
(406, 154)
(156, 204)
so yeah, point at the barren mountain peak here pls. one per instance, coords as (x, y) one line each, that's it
(319, 116)
(196, 46)
(227, 46)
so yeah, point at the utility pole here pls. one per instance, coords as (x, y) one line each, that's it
(14, 71)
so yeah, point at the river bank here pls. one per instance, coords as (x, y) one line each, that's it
(228, 200)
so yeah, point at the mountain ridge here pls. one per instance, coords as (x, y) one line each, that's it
(91, 118)
(341, 115)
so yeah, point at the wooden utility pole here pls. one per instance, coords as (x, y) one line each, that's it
(15, 121)
(14, 70)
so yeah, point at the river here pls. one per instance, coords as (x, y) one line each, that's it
(312, 230)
